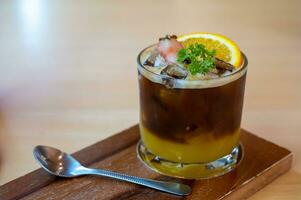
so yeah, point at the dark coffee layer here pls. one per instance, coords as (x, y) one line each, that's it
(178, 114)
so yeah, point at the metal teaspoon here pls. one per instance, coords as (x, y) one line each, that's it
(62, 164)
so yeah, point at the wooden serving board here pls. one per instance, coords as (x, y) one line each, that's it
(262, 163)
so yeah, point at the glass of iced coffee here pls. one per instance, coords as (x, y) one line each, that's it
(191, 98)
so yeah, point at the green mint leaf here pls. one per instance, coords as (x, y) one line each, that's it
(201, 60)
(182, 55)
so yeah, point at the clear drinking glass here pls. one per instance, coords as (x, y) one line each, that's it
(190, 128)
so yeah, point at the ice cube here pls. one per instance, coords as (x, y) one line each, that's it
(160, 62)
(150, 61)
(155, 60)
(168, 81)
(226, 73)
(175, 70)
(220, 64)
(211, 75)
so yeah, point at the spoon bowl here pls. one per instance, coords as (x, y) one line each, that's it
(57, 162)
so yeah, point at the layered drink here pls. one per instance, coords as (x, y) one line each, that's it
(191, 97)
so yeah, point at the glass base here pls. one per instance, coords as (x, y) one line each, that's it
(190, 171)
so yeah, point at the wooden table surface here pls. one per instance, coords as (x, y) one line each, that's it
(68, 71)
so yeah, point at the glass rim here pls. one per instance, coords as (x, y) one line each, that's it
(242, 68)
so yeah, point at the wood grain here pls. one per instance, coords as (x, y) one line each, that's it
(262, 163)
(68, 71)
(87, 156)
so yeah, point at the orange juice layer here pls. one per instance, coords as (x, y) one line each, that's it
(202, 148)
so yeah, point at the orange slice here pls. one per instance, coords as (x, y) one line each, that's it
(226, 49)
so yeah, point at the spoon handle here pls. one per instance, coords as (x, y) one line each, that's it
(169, 187)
